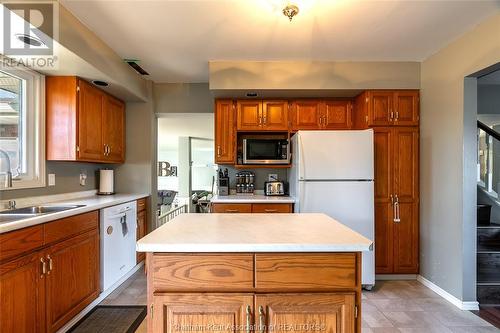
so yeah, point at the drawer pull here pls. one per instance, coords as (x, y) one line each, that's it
(232, 211)
(50, 264)
(270, 210)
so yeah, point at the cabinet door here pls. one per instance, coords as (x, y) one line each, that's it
(90, 138)
(225, 138)
(141, 232)
(22, 295)
(383, 164)
(380, 104)
(72, 278)
(337, 115)
(406, 239)
(201, 312)
(384, 238)
(306, 115)
(249, 116)
(294, 312)
(113, 123)
(406, 163)
(406, 108)
(275, 115)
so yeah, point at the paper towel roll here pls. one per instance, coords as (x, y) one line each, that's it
(106, 181)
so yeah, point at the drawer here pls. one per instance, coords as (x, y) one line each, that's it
(208, 272)
(231, 208)
(306, 271)
(271, 208)
(20, 241)
(70, 226)
(141, 204)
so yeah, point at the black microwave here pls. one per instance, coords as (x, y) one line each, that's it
(266, 151)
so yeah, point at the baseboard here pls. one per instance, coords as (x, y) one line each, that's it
(447, 296)
(395, 277)
(99, 299)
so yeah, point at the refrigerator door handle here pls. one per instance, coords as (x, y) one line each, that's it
(396, 210)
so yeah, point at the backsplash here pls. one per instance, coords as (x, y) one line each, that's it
(260, 175)
(67, 180)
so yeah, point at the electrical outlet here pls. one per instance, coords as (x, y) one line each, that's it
(83, 178)
(272, 177)
(52, 179)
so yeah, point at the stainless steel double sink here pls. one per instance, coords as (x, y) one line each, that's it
(33, 211)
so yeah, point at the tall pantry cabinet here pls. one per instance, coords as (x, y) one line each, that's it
(394, 117)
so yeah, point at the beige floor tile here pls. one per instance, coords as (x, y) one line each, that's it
(412, 319)
(434, 304)
(375, 318)
(457, 317)
(386, 330)
(474, 329)
(397, 304)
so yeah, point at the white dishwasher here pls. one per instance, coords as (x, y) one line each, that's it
(118, 238)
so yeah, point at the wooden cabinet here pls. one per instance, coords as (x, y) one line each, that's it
(225, 132)
(72, 279)
(387, 108)
(22, 295)
(258, 115)
(314, 312)
(259, 292)
(251, 208)
(202, 312)
(44, 286)
(307, 115)
(141, 225)
(396, 199)
(83, 123)
(337, 115)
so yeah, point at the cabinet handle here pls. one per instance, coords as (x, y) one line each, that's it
(105, 150)
(50, 264)
(392, 200)
(396, 210)
(249, 315)
(270, 210)
(391, 116)
(324, 120)
(397, 115)
(262, 318)
(109, 150)
(231, 211)
(44, 267)
(218, 150)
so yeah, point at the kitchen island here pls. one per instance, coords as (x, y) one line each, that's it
(254, 272)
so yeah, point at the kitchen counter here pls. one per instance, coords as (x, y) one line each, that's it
(258, 198)
(91, 202)
(253, 233)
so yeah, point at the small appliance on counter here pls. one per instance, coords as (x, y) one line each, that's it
(106, 182)
(245, 182)
(275, 188)
(223, 182)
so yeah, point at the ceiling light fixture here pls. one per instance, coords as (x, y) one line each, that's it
(30, 40)
(290, 11)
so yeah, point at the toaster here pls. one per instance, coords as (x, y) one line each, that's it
(275, 188)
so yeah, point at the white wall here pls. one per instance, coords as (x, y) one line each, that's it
(447, 208)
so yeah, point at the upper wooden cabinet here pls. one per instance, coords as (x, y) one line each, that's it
(257, 115)
(225, 134)
(319, 115)
(83, 123)
(387, 108)
(306, 115)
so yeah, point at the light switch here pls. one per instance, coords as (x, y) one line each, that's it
(52, 179)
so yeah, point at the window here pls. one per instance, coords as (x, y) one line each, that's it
(22, 128)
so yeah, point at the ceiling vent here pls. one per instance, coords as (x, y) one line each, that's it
(134, 64)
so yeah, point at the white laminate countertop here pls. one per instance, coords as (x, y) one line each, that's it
(93, 202)
(252, 199)
(253, 233)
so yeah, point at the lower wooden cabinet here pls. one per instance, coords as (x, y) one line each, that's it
(42, 289)
(202, 312)
(142, 227)
(252, 208)
(71, 279)
(306, 313)
(22, 295)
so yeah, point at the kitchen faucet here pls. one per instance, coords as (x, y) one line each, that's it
(8, 173)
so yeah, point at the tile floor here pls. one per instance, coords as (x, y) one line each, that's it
(391, 307)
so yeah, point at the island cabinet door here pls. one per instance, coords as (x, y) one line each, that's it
(177, 313)
(334, 312)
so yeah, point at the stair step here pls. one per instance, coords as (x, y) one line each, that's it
(492, 225)
(488, 294)
(488, 240)
(488, 267)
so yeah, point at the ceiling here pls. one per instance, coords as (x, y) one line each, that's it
(175, 39)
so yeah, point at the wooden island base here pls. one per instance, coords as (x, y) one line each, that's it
(254, 292)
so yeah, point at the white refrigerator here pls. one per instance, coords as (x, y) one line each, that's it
(332, 173)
